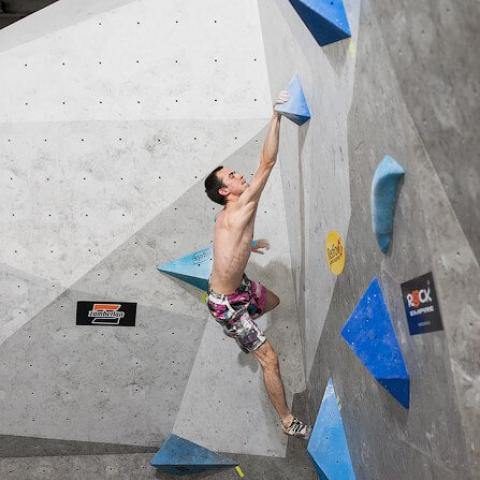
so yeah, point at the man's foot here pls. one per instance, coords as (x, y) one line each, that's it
(298, 429)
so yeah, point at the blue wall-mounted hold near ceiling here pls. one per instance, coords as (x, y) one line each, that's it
(326, 19)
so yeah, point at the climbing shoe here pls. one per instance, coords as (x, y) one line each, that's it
(298, 429)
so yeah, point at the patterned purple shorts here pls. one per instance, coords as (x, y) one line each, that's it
(236, 313)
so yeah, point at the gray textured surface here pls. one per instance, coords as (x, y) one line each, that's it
(437, 437)
(12, 446)
(314, 158)
(405, 84)
(432, 47)
(96, 384)
(294, 465)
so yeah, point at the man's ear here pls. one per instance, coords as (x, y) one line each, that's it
(223, 191)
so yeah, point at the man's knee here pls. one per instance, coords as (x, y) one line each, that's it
(267, 356)
(272, 301)
(275, 300)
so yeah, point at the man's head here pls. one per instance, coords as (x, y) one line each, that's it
(224, 184)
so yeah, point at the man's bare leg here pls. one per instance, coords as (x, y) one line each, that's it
(268, 360)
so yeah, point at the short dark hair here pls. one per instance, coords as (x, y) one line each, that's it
(212, 185)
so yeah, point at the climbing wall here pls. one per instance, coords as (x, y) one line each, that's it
(107, 138)
(113, 114)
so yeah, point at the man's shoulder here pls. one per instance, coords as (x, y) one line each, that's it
(227, 217)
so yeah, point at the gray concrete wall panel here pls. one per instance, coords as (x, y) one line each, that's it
(23, 296)
(97, 179)
(319, 152)
(116, 385)
(433, 439)
(431, 46)
(136, 466)
(149, 74)
(17, 446)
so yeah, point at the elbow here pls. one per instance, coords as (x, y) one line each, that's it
(268, 161)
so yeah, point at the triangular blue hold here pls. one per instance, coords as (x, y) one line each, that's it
(296, 108)
(326, 19)
(179, 456)
(370, 334)
(328, 445)
(194, 268)
(385, 185)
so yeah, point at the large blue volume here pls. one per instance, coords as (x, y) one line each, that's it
(385, 183)
(328, 445)
(296, 108)
(326, 19)
(182, 457)
(194, 268)
(370, 334)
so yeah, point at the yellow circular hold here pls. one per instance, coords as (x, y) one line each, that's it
(204, 297)
(335, 252)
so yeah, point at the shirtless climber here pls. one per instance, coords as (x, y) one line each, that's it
(233, 299)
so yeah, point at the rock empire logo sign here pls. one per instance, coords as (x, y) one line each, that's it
(106, 313)
(421, 305)
(335, 251)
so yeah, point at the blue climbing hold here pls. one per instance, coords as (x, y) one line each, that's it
(328, 445)
(370, 334)
(326, 19)
(385, 185)
(194, 268)
(296, 108)
(179, 456)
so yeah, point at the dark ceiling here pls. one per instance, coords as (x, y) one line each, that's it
(13, 10)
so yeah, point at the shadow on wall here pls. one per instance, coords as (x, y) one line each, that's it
(189, 289)
(336, 54)
(302, 135)
(277, 278)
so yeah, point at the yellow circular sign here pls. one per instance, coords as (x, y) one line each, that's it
(335, 250)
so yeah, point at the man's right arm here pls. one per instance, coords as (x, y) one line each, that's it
(267, 162)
